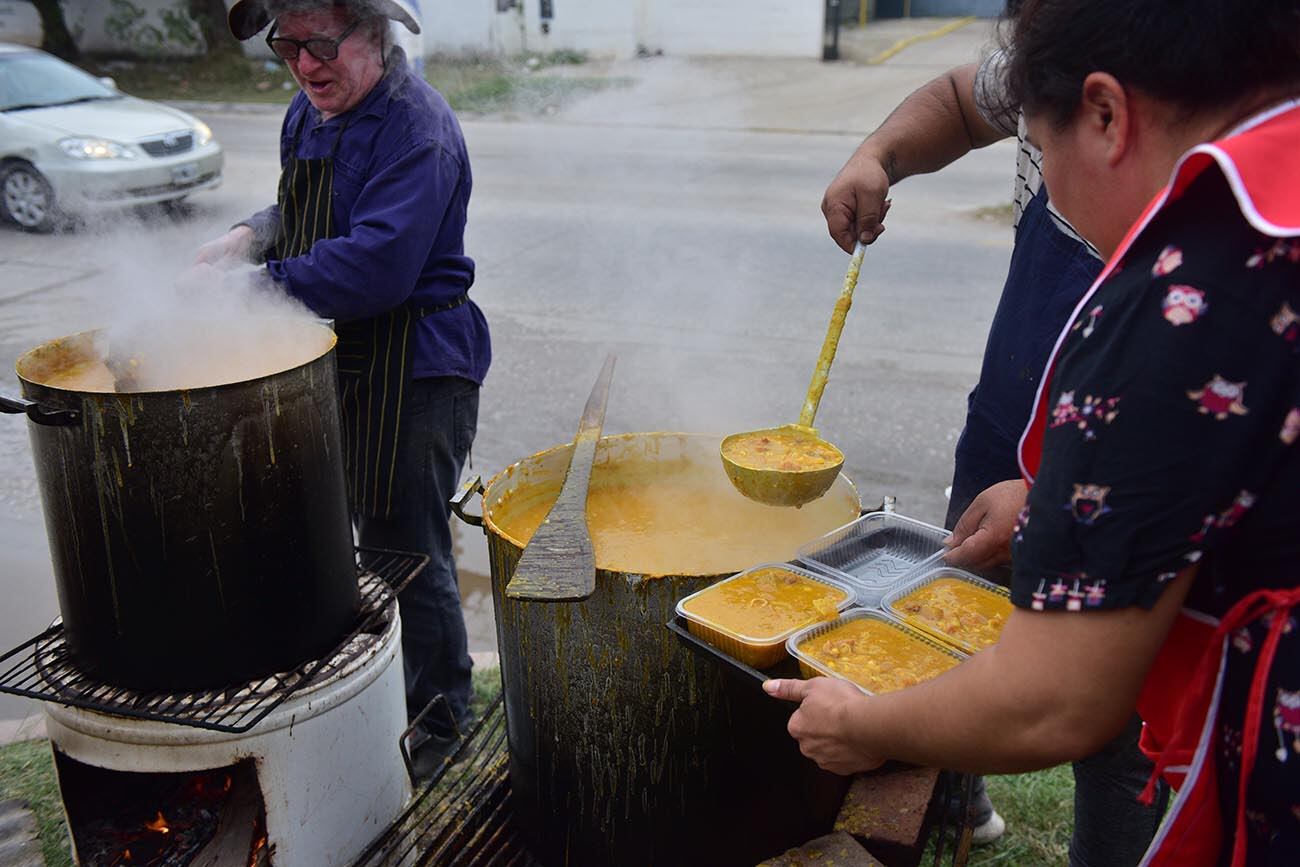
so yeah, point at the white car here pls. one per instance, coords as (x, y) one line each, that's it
(71, 143)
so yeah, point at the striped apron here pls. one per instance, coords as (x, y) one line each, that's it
(375, 355)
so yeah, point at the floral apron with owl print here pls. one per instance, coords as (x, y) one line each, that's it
(1186, 695)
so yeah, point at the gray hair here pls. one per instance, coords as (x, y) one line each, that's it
(374, 23)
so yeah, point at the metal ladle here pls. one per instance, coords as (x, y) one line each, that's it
(770, 484)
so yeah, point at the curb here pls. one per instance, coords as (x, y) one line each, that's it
(920, 37)
(192, 106)
(27, 729)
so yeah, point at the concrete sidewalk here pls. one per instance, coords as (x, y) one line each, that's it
(807, 96)
(754, 93)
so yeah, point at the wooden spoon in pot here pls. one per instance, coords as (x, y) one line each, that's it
(791, 465)
(559, 563)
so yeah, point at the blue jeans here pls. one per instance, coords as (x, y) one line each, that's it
(1111, 829)
(439, 420)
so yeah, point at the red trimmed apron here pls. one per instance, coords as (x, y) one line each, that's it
(1180, 697)
(1180, 703)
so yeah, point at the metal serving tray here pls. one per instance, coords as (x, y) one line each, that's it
(733, 667)
(874, 553)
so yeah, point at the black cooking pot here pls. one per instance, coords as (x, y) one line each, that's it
(625, 747)
(200, 537)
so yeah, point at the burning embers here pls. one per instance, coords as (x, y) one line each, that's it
(201, 819)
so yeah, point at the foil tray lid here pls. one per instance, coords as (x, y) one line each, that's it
(875, 553)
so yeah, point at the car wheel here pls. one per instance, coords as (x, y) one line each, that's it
(26, 198)
(177, 208)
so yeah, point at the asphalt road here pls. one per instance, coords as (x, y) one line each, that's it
(685, 237)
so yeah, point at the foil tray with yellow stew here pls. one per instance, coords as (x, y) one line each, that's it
(872, 651)
(956, 607)
(750, 615)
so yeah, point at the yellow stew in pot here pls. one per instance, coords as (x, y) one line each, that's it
(789, 452)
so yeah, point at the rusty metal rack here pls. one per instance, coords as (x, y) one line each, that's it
(42, 667)
(463, 817)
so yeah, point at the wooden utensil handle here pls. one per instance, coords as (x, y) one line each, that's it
(822, 372)
(558, 564)
(593, 415)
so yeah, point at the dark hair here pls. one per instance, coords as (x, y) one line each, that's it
(1197, 55)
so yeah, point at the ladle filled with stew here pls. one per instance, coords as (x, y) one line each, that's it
(791, 465)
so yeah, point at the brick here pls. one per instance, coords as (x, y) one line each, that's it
(834, 850)
(888, 810)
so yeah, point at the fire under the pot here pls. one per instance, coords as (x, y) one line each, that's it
(213, 817)
(307, 786)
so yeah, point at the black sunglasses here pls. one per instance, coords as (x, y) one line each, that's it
(320, 48)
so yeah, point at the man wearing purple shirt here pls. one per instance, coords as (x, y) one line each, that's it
(368, 230)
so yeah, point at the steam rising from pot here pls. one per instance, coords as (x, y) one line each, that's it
(222, 327)
(174, 327)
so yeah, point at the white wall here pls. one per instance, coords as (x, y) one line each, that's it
(20, 23)
(616, 28)
(601, 28)
(165, 27)
(597, 27)
(460, 26)
(767, 28)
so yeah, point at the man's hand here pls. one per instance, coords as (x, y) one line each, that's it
(855, 203)
(201, 277)
(822, 724)
(230, 249)
(982, 537)
(935, 125)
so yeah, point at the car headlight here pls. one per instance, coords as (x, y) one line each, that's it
(95, 149)
(202, 133)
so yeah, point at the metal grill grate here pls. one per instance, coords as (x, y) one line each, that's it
(42, 668)
(463, 817)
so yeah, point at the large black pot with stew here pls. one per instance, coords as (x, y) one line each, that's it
(194, 501)
(626, 748)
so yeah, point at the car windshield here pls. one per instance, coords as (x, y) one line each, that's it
(39, 80)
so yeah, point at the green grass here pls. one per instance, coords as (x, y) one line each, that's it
(1002, 214)
(222, 76)
(485, 685)
(485, 85)
(1039, 810)
(474, 85)
(27, 773)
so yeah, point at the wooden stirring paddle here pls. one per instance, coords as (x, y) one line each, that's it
(559, 563)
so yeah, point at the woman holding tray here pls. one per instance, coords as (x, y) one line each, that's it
(1155, 541)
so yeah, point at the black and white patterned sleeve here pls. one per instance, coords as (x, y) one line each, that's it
(1174, 405)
